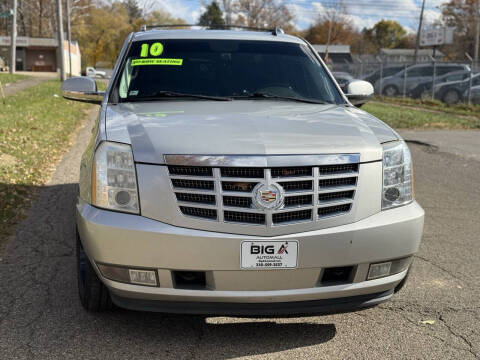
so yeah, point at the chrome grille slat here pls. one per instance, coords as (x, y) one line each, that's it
(332, 203)
(335, 189)
(312, 193)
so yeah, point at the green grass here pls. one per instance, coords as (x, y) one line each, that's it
(36, 126)
(458, 109)
(11, 78)
(408, 118)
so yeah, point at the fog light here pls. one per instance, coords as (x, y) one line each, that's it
(379, 270)
(388, 268)
(129, 276)
(143, 277)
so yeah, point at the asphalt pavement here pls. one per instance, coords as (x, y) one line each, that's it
(436, 315)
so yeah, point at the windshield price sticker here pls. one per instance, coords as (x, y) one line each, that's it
(269, 254)
(155, 50)
(176, 62)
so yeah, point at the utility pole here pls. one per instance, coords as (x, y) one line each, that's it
(13, 38)
(69, 39)
(417, 44)
(477, 32)
(61, 51)
(330, 25)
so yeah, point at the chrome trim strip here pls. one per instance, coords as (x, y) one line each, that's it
(261, 160)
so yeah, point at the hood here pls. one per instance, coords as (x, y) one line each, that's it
(246, 127)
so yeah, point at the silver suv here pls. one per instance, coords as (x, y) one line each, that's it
(228, 174)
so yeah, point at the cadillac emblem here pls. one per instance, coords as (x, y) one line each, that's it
(268, 196)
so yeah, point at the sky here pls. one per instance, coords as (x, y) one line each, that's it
(363, 13)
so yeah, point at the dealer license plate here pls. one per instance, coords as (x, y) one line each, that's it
(269, 254)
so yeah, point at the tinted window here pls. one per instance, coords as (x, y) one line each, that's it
(226, 68)
(391, 71)
(441, 70)
(455, 77)
(420, 71)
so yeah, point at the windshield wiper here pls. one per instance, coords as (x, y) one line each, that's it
(165, 94)
(262, 95)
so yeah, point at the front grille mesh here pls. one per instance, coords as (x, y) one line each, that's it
(292, 172)
(238, 186)
(196, 198)
(199, 212)
(190, 170)
(297, 185)
(192, 184)
(244, 217)
(292, 216)
(237, 201)
(226, 194)
(242, 172)
(300, 200)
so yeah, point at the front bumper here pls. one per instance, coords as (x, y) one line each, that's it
(135, 241)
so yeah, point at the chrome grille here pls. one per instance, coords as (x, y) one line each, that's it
(225, 194)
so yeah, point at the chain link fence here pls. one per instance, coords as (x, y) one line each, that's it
(449, 82)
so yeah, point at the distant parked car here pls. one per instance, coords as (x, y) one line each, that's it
(474, 95)
(92, 72)
(424, 89)
(452, 92)
(393, 85)
(373, 77)
(343, 78)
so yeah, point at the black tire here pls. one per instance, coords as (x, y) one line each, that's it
(451, 97)
(94, 295)
(390, 90)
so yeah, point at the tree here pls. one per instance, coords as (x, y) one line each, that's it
(385, 34)
(133, 10)
(338, 24)
(101, 33)
(461, 15)
(158, 17)
(212, 17)
(262, 13)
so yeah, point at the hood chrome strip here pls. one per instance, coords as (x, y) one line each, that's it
(261, 160)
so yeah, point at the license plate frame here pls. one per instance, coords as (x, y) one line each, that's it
(269, 254)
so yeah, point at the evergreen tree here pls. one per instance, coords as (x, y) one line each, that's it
(212, 17)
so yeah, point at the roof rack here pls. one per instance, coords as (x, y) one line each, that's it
(275, 31)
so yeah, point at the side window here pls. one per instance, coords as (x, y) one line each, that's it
(476, 81)
(454, 77)
(427, 71)
(125, 80)
(418, 71)
(442, 70)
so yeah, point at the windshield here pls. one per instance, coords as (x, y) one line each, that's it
(228, 69)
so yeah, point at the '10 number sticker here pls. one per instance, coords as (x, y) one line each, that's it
(155, 50)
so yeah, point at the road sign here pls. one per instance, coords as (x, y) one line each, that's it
(436, 36)
(6, 14)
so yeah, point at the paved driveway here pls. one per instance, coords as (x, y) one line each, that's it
(41, 318)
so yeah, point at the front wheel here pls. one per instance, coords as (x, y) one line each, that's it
(390, 91)
(451, 97)
(94, 295)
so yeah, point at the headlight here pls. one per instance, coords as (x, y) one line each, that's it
(114, 181)
(397, 175)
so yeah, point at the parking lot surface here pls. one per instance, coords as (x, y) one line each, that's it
(436, 316)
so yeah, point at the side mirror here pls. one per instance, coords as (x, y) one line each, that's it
(359, 92)
(82, 89)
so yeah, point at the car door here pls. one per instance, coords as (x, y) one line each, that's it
(418, 74)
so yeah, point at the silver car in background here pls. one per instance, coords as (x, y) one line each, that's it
(412, 76)
(229, 174)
